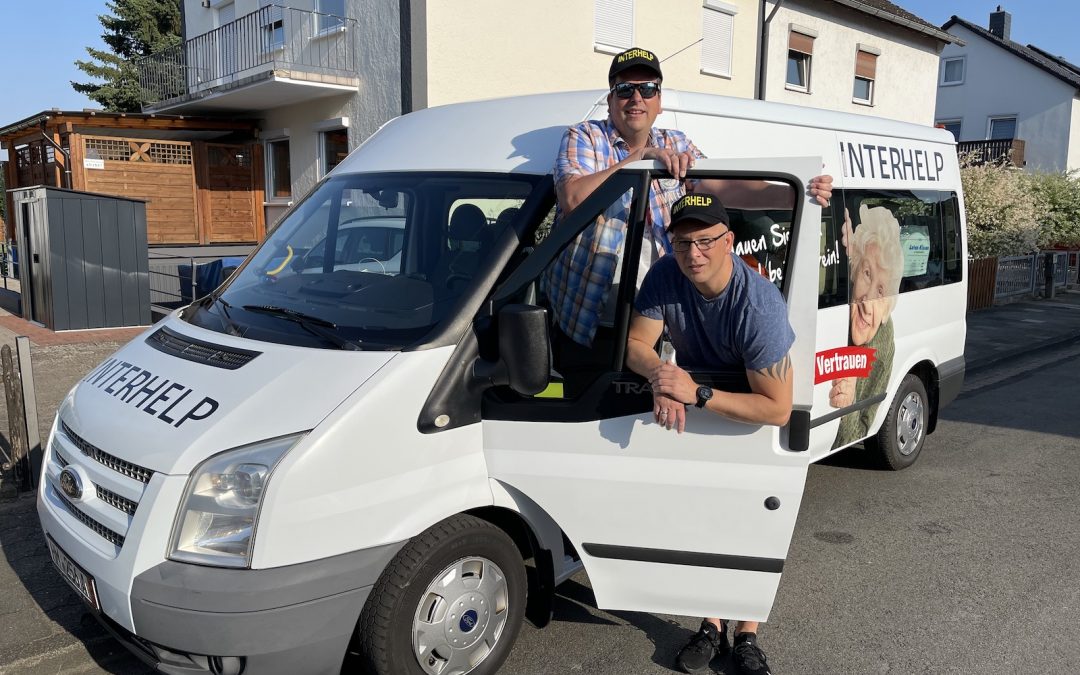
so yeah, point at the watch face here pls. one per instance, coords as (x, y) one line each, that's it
(704, 393)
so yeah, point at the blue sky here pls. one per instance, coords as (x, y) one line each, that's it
(40, 40)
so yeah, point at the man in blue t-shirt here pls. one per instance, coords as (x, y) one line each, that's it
(720, 316)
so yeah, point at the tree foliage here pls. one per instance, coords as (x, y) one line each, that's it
(1059, 194)
(135, 28)
(1002, 211)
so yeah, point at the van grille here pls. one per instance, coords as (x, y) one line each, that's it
(104, 494)
(114, 538)
(198, 351)
(118, 465)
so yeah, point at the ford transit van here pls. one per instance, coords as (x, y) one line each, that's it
(363, 450)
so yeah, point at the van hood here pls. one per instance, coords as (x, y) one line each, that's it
(159, 403)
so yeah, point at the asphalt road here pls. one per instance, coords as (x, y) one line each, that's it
(968, 562)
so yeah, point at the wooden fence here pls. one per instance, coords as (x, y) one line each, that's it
(982, 281)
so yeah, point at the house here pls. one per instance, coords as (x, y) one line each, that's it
(323, 75)
(997, 96)
(866, 57)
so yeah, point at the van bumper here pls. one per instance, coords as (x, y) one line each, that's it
(950, 380)
(295, 619)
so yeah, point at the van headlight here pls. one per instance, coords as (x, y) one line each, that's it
(216, 521)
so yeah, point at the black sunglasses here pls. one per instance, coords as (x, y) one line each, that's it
(626, 89)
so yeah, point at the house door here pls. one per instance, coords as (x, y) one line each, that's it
(697, 523)
(233, 214)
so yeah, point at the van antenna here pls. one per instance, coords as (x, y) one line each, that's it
(684, 48)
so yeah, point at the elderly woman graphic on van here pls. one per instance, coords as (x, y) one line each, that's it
(876, 265)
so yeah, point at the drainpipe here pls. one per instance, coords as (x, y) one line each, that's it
(763, 50)
(65, 153)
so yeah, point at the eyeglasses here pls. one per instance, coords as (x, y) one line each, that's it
(703, 244)
(626, 89)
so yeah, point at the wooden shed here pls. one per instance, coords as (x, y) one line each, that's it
(201, 177)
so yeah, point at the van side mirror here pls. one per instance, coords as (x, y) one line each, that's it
(524, 352)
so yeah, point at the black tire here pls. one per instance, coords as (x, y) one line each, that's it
(903, 433)
(384, 637)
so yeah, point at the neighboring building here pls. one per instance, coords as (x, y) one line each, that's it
(323, 75)
(868, 57)
(994, 89)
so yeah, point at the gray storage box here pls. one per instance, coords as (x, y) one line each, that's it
(82, 258)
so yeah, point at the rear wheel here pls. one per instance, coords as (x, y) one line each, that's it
(450, 603)
(901, 437)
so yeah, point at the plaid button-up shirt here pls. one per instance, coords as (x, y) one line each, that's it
(578, 282)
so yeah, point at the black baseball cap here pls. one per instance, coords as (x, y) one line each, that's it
(635, 57)
(700, 208)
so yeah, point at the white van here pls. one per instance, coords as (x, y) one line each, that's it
(325, 457)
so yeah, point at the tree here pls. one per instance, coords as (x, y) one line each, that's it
(1002, 211)
(135, 28)
(1060, 195)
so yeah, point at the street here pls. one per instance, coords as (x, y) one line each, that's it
(967, 562)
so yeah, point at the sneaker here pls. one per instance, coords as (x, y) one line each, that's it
(706, 644)
(748, 657)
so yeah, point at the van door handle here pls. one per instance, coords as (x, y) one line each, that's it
(36, 258)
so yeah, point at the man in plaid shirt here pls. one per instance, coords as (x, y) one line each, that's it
(580, 279)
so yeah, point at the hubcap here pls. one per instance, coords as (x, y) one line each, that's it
(460, 617)
(909, 424)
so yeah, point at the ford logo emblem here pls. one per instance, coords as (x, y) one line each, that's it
(468, 621)
(71, 484)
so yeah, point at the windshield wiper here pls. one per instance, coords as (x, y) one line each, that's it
(312, 324)
(231, 327)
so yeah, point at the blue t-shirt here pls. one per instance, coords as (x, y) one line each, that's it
(744, 328)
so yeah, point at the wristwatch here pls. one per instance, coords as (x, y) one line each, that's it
(703, 396)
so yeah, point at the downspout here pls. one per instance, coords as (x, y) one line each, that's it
(65, 153)
(763, 49)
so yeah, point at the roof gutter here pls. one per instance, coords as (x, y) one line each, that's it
(906, 23)
(763, 50)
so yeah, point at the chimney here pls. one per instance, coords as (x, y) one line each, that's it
(1000, 23)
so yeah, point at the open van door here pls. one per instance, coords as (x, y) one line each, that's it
(697, 523)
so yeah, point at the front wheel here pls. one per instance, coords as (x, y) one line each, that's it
(901, 436)
(451, 602)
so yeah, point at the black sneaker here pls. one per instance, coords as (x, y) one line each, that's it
(748, 657)
(706, 644)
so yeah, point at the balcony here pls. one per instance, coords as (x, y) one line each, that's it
(269, 58)
(1004, 150)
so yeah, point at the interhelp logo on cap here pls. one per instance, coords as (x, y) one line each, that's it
(636, 54)
(691, 200)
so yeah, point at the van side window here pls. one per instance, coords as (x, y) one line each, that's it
(919, 217)
(950, 221)
(833, 263)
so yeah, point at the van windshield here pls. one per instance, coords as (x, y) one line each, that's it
(368, 261)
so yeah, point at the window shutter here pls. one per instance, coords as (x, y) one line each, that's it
(614, 23)
(717, 29)
(227, 14)
(865, 65)
(1002, 128)
(274, 13)
(800, 43)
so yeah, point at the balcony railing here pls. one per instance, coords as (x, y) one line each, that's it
(1010, 150)
(305, 45)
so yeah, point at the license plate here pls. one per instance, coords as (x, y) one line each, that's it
(82, 582)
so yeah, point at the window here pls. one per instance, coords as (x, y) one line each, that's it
(952, 71)
(1001, 128)
(334, 148)
(800, 52)
(865, 75)
(952, 126)
(613, 25)
(331, 14)
(273, 25)
(925, 225)
(280, 178)
(718, 21)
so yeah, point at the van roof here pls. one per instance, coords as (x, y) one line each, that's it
(521, 134)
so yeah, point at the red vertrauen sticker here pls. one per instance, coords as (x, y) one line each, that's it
(833, 364)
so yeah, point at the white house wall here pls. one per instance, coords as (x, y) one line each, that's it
(999, 83)
(1074, 136)
(477, 49)
(906, 77)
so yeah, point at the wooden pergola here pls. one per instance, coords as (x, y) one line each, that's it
(202, 177)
